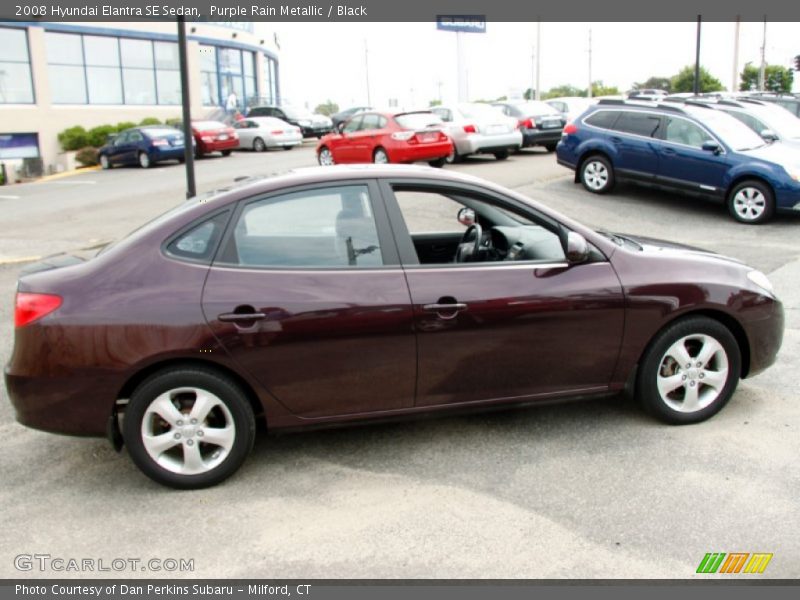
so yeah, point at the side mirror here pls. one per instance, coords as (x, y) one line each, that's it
(712, 146)
(466, 216)
(340, 127)
(769, 136)
(577, 248)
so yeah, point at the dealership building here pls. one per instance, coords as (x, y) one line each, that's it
(57, 75)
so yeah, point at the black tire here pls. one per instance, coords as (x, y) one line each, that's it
(105, 162)
(259, 145)
(502, 155)
(198, 154)
(144, 160)
(597, 174)
(438, 163)
(288, 147)
(226, 152)
(751, 202)
(692, 334)
(380, 156)
(325, 157)
(239, 414)
(454, 157)
(551, 147)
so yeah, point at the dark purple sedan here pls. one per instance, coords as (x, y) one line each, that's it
(336, 295)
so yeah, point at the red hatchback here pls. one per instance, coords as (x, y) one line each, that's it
(371, 137)
(213, 136)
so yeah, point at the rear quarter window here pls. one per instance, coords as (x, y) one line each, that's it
(200, 242)
(604, 119)
(638, 123)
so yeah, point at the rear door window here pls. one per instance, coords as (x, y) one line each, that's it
(638, 123)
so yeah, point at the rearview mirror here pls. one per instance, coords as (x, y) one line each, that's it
(768, 135)
(577, 248)
(712, 146)
(466, 216)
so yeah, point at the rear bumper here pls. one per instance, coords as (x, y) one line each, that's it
(276, 142)
(316, 131)
(432, 151)
(217, 145)
(172, 153)
(477, 142)
(539, 137)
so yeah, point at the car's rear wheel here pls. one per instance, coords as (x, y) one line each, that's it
(198, 153)
(325, 157)
(550, 147)
(226, 152)
(751, 202)
(502, 155)
(379, 157)
(689, 371)
(189, 427)
(288, 147)
(144, 160)
(104, 162)
(438, 163)
(597, 174)
(259, 145)
(453, 157)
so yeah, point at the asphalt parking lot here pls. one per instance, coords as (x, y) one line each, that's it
(570, 491)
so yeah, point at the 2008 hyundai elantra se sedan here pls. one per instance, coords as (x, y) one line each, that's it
(344, 294)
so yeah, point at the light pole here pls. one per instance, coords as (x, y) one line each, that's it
(697, 60)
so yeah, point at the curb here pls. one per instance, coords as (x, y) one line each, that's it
(47, 178)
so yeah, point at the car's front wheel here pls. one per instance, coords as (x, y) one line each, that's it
(689, 371)
(379, 157)
(226, 152)
(259, 145)
(189, 427)
(325, 157)
(597, 174)
(104, 162)
(502, 155)
(751, 202)
(144, 160)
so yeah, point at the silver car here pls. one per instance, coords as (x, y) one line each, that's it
(477, 128)
(262, 133)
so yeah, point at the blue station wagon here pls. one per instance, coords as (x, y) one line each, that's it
(694, 149)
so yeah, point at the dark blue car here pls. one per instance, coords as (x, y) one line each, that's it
(694, 149)
(143, 146)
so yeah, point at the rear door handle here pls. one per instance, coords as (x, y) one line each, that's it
(616, 140)
(445, 311)
(238, 317)
(668, 151)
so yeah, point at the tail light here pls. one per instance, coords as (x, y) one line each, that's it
(570, 128)
(403, 136)
(32, 307)
(160, 142)
(277, 132)
(470, 129)
(526, 124)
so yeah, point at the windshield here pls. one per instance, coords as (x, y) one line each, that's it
(475, 111)
(418, 120)
(156, 132)
(297, 113)
(780, 120)
(205, 125)
(734, 133)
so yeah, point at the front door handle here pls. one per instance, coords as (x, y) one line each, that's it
(238, 317)
(445, 311)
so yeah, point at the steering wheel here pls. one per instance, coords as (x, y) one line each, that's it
(468, 247)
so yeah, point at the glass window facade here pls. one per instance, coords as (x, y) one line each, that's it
(90, 69)
(226, 70)
(270, 93)
(16, 85)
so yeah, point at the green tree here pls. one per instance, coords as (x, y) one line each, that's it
(776, 78)
(327, 108)
(655, 83)
(563, 90)
(684, 81)
(598, 89)
(530, 94)
(433, 103)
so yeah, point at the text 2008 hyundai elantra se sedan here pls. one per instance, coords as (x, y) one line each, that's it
(335, 295)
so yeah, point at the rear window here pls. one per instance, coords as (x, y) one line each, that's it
(638, 123)
(476, 111)
(604, 119)
(208, 125)
(161, 132)
(418, 120)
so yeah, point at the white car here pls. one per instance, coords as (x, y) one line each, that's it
(571, 107)
(262, 133)
(477, 128)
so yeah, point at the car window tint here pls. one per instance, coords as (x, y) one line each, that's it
(353, 125)
(122, 138)
(638, 123)
(135, 136)
(200, 242)
(370, 122)
(330, 227)
(681, 131)
(603, 119)
(748, 120)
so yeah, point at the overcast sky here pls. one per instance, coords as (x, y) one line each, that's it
(408, 61)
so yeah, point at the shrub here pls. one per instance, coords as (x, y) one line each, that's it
(173, 122)
(87, 156)
(73, 138)
(150, 121)
(98, 136)
(125, 125)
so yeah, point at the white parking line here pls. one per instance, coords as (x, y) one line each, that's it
(72, 182)
(10, 197)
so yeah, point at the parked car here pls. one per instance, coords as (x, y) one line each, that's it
(647, 94)
(387, 138)
(143, 146)
(315, 298)
(263, 133)
(787, 101)
(343, 115)
(213, 136)
(771, 121)
(311, 124)
(539, 123)
(477, 128)
(692, 148)
(571, 107)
